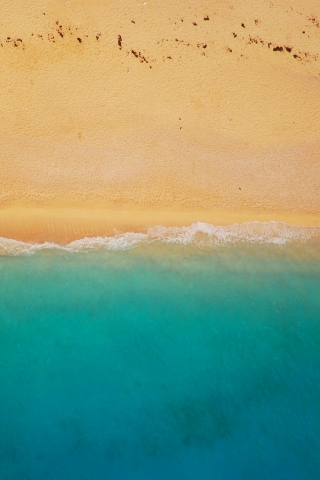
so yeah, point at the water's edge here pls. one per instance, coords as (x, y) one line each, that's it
(202, 235)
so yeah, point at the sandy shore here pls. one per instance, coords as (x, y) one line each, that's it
(63, 225)
(126, 116)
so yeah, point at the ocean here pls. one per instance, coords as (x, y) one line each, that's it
(179, 355)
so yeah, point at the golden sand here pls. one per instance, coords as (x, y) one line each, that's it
(130, 114)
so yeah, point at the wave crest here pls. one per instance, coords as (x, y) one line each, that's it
(202, 235)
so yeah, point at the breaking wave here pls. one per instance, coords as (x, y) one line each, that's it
(201, 235)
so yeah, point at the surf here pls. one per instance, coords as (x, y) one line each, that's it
(199, 235)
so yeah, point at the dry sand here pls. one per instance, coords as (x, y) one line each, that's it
(129, 114)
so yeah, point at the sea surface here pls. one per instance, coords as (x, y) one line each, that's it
(161, 361)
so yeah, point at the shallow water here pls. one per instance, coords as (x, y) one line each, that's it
(161, 362)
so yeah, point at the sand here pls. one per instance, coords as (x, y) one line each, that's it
(131, 114)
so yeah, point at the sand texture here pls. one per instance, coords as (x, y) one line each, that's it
(127, 114)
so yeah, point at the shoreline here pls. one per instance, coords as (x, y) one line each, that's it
(63, 225)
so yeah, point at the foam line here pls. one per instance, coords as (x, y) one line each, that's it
(202, 235)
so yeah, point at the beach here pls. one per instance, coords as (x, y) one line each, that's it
(122, 117)
(159, 240)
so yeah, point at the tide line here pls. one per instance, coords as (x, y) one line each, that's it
(201, 235)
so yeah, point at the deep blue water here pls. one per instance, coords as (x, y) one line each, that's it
(166, 364)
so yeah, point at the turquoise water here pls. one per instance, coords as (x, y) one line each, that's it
(160, 363)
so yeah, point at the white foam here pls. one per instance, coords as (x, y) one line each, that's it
(122, 241)
(202, 235)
